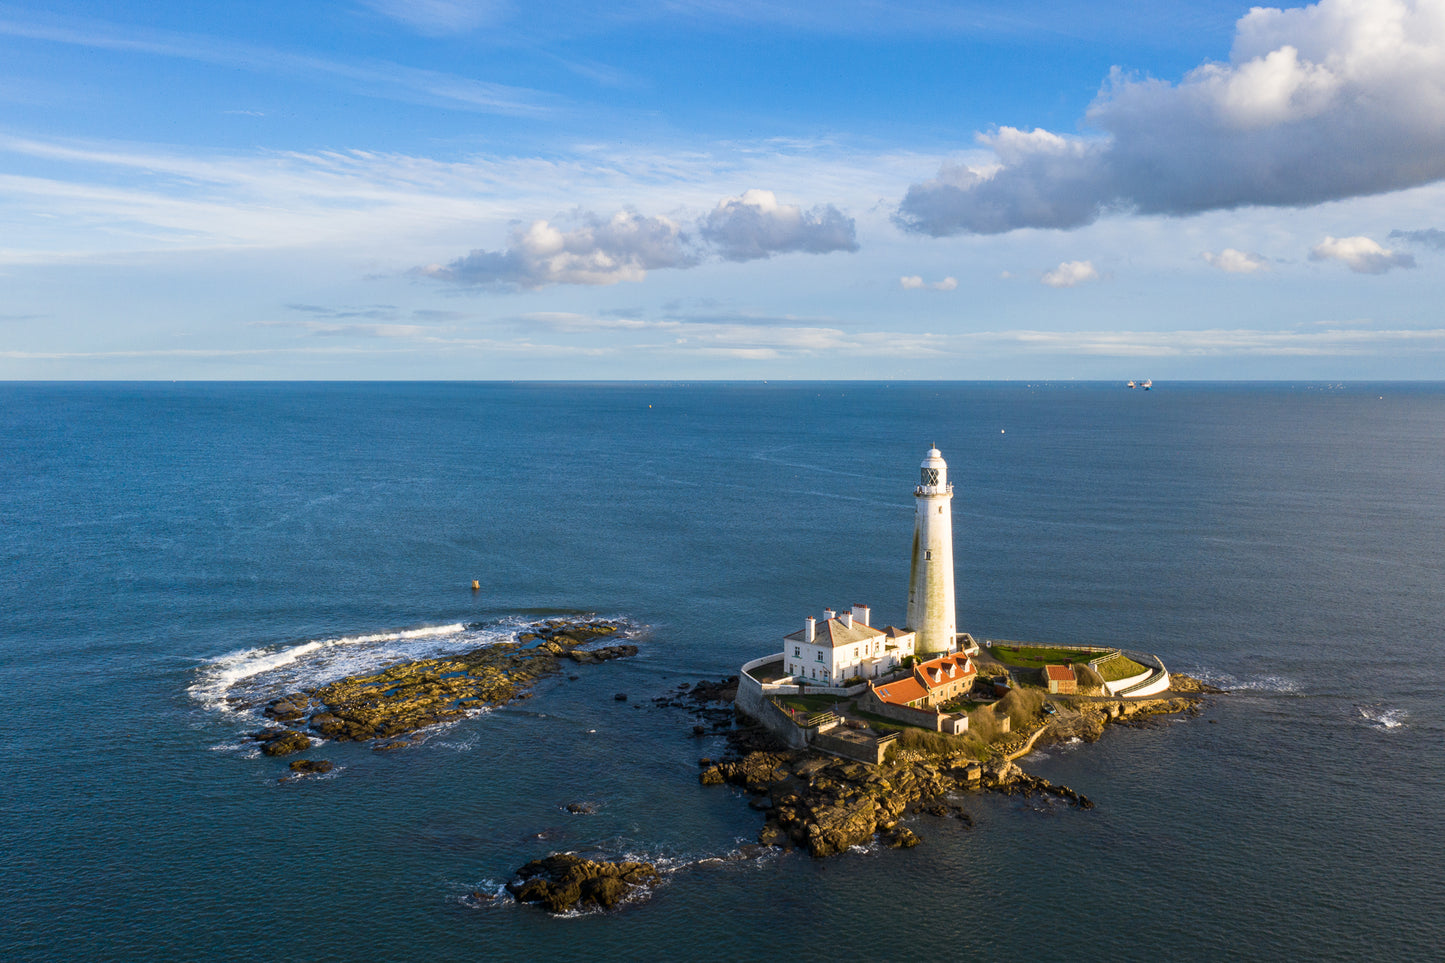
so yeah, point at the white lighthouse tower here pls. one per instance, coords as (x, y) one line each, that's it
(931, 611)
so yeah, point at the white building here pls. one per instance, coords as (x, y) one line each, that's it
(844, 646)
(931, 609)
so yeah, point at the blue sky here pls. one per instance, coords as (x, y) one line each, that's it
(706, 189)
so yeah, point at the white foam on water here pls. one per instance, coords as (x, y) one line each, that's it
(1233, 683)
(1383, 718)
(250, 676)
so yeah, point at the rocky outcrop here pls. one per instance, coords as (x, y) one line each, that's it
(310, 766)
(1087, 720)
(590, 656)
(826, 805)
(563, 882)
(282, 742)
(711, 703)
(1179, 682)
(403, 698)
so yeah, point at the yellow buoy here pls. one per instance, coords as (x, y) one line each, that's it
(476, 585)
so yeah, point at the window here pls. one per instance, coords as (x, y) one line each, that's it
(927, 555)
(825, 673)
(820, 655)
(940, 509)
(929, 476)
(797, 651)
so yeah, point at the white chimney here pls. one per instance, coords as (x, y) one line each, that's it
(847, 620)
(829, 614)
(861, 614)
(810, 629)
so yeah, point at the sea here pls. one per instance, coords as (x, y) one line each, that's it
(173, 554)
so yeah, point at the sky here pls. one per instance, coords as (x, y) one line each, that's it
(722, 189)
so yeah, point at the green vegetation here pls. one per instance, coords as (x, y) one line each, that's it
(881, 723)
(1120, 668)
(931, 743)
(1022, 706)
(811, 703)
(1035, 658)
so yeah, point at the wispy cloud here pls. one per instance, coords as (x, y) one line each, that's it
(106, 197)
(441, 16)
(1224, 343)
(1431, 237)
(374, 78)
(1335, 100)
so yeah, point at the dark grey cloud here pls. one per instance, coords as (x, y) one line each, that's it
(1336, 100)
(1431, 237)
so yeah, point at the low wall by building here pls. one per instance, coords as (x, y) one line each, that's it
(840, 742)
(755, 700)
(1101, 649)
(949, 722)
(1156, 682)
(1152, 681)
(1114, 688)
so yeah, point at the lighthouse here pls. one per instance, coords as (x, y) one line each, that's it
(931, 611)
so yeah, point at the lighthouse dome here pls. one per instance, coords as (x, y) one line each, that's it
(933, 471)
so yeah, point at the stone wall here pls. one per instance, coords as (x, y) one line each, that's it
(923, 718)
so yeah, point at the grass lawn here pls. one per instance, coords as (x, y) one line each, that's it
(1034, 658)
(880, 723)
(812, 703)
(1121, 668)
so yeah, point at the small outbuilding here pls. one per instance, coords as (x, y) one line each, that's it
(1060, 679)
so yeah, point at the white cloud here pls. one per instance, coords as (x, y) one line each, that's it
(1070, 273)
(1361, 255)
(914, 282)
(629, 245)
(1339, 99)
(1237, 262)
(622, 248)
(755, 225)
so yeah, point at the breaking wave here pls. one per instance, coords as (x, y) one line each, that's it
(1233, 683)
(242, 680)
(1381, 717)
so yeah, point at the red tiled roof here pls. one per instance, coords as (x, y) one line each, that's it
(935, 671)
(1059, 673)
(901, 693)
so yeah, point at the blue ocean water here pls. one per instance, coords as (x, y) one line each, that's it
(166, 547)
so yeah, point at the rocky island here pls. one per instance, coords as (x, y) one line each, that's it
(388, 706)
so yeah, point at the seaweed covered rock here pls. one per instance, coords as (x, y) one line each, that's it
(312, 766)
(283, 742)
(403, 698)
(563, 882)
